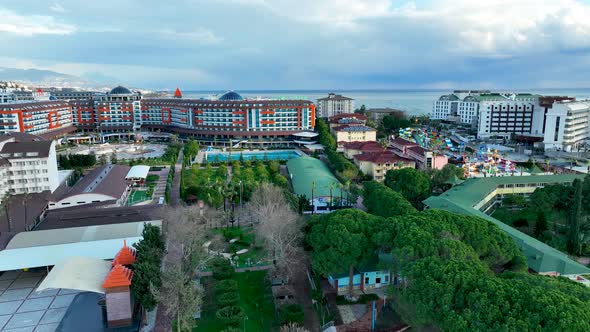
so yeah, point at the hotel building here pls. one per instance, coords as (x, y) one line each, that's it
(567, 125)
(334, 104)
(28, 164)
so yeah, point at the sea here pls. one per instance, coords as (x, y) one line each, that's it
(413, 102)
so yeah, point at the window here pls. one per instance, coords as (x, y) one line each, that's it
(366, 280)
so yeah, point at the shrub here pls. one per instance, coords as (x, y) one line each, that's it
(232, 233)
(231, 329)
(230, 315)
(228, 298)
(291, 313)
(224, 286)
(222, 269)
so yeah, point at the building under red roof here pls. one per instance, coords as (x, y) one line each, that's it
(383, 156)
(369, 146)
(338, 117)
(119, 276)
(125, 256)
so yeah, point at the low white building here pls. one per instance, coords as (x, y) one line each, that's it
(354, 133)
(334, 104)
(28, 164)
(567, 126)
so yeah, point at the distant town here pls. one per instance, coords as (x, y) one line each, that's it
(125, 210)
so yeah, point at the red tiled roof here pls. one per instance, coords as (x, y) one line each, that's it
(125, 256)
(417, 149)
(177, 93)
(335, 118)
(385, 156)
(119, 276)
(403, 142)
(363, 146)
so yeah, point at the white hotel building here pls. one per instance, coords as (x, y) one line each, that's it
(567, 125)
(333, 105)
(27, 165)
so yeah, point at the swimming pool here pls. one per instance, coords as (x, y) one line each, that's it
(252, 155)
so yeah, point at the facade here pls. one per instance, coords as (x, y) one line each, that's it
(27, 166)
(377, 114)
(461, 106)
(376, 164)
(354, 133)
(334, 104)
(424, 159)
(43, 117)
(370, 276)
(229, 117)
(505, 115)
(351, 149)
(71, 94)
(567, 125)
(479, 196)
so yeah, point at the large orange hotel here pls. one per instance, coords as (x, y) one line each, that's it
(229, 118)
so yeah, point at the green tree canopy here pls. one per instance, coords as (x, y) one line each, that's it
(413, 184)
(383, 201)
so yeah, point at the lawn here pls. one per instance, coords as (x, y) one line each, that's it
(255, 298)
(137, 196)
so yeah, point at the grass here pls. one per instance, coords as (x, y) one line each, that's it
(137, 196)
(255, 298)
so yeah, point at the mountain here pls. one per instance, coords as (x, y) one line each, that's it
(47, 78)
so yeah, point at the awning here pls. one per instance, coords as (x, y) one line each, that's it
(79, 273)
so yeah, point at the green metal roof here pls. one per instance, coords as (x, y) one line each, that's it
(306, 172)
(540, 257)
(501, 97)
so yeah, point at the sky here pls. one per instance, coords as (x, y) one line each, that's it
(303, 44)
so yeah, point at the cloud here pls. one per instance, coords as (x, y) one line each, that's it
(14, 23)
(200, 35)
(58, 8)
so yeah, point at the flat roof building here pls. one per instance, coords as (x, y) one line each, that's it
(334, 104)
(477, 196)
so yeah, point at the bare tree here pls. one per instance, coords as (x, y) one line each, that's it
(182, 295)
(293, 328)
(278, 227)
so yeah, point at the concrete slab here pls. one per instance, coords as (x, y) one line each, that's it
(62, 301)
(25, 283)
(7, 308)
(15, 294)
(10, 275)
(47, 327)
(22, 329)
(24, 320)
(35, 304)
(4, 284)
(4, 320)
(44, 293)
(53, 316)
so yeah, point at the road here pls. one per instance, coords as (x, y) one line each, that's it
(175, 193)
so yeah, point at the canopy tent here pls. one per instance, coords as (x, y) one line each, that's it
(49, 247)
(79, 273)
(138, 172)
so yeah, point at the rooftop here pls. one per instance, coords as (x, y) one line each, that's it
(333, 96)
(540, 257)
(363, 146)
(337, 117)
(21, 150)
(354, 128)
(403, 142)
(384, 156)
(120, 90)
(106, 180)
(138, 172)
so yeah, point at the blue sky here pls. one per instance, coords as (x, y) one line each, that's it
(303, 44)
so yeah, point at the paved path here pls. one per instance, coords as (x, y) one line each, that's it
(175, 193)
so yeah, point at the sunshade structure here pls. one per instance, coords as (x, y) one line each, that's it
(138, 172)
(49, 247)
(312, 178)
(535, 170)
(79, 273)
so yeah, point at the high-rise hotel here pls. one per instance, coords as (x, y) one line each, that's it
(229, 117)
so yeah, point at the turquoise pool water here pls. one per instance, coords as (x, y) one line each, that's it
(252, 155)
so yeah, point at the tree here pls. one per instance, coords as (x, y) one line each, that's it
(293, 328)
(278, 228)
(340, 242)
(575, 220)
(114, 159)
(182, 296)
(231, 315)
(413, 184)
(440, 177)
(147, 276)
(291, 313)
(541, 225)
(383, 201)
(102, 160)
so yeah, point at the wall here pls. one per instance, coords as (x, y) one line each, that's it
(356, 136)
(81, 199)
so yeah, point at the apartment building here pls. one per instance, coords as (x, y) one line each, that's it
(334, 104)
(461, 106)
(45, 118)
(567, 125)
(505, 115)
(354, 133)
(376, 164)
(28, 164)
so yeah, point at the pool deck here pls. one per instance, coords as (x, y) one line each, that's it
(200, 158)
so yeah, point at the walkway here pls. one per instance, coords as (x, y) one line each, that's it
(175, 193)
